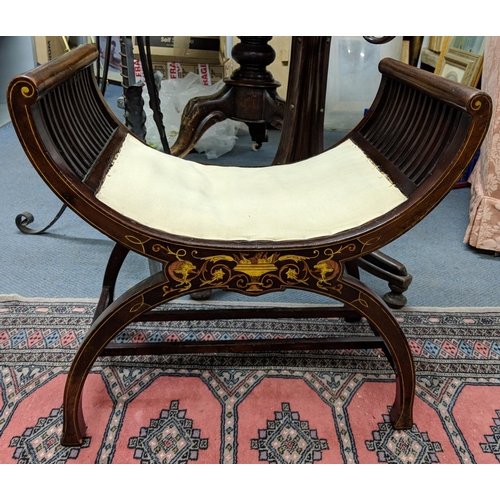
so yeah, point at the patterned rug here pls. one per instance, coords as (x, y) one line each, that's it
(314, 407)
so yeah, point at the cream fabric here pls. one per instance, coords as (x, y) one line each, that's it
(484, 211)
(321, 196)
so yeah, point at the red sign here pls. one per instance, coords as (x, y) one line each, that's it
(204, 71)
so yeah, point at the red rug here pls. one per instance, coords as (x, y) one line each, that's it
(317, 407)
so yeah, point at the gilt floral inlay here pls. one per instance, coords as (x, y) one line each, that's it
(252, 273)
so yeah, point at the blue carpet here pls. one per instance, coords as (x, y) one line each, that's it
(69, 260)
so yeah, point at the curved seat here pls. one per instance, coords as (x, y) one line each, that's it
(318, 197)
(249, 230)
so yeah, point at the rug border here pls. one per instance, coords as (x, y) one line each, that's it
(6, 298)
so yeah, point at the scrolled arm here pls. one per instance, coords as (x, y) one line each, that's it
(42, 79)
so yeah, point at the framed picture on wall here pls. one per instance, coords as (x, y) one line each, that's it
(114, 69)
(461, 59)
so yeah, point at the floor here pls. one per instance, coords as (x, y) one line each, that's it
(4, 115)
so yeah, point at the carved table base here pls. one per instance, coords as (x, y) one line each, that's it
(248, 96)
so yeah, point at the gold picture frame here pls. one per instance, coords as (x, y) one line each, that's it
(457, 64)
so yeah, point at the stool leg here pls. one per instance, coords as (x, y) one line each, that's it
(113, 267)
(361, 298)
(352, 268)
(384, 267)
(127, 308)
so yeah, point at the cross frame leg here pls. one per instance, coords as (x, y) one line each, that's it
(130, 306)
(155, 291)
(358, 296)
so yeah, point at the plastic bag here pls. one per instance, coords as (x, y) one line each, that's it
(353, 78)
(174, 95)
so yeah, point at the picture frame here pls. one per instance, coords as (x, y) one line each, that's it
(114, 70)
(474, 44)
(459, 66)
(461, 59)
(436, 43)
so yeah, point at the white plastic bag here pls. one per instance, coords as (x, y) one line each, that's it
(353, 78)
(174, 95)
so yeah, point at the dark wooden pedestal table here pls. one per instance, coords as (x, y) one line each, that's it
(249, 96)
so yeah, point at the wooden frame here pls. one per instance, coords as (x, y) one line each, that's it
(459, 65)
(436, 43)
(421, 132)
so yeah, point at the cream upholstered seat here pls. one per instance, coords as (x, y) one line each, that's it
(317, 197)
